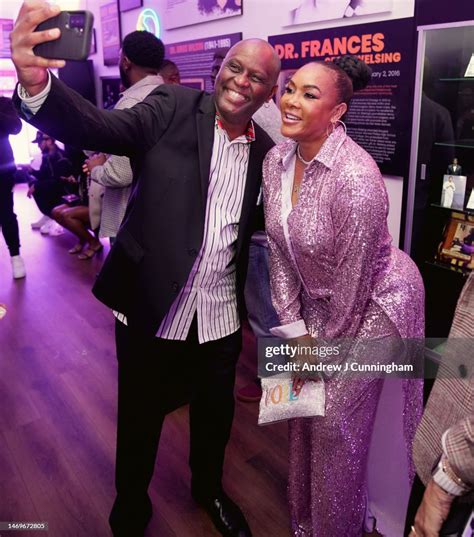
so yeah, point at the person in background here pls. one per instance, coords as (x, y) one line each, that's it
(454, 168)
(9, 124)
(175, 275)
(169, 72)
(49, 184)
(443, 449)
(140, 61)
(260, 312)
(75, 218)
(335, 276)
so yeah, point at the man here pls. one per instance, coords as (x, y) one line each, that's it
(454, 168)
(261, 314)
(48, 184)
(170, 73)
(9, 124)
(443, 448)
(140, 60)
(178, 266)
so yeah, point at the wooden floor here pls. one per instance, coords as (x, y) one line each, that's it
(58, 410)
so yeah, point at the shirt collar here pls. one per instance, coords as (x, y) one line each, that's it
(249, 133)
(153, 80)
(327, 154)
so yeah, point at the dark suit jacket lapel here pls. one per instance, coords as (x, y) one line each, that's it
(205, 126)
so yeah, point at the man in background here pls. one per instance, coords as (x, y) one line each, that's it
(48, 185)
(140, 62)
(169, 72)
(9, 124)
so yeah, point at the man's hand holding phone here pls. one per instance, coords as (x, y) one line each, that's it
(32, 70)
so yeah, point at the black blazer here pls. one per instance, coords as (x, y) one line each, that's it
(169, 138)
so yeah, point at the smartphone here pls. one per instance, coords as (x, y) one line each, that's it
(75, 40)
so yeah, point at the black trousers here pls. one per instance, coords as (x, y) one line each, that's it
(157, 376)
(8, 220)
(48, 195)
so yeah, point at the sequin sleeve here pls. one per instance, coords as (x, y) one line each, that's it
(359, 215)
(285, 284)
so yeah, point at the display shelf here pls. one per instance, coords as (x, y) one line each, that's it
(463, 272)
(469, 212)
(464, 79)
(466, 145)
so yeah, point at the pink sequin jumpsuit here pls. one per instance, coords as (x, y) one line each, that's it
(356, 285)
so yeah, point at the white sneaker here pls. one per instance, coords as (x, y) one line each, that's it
(41, 222)
(18, 267)
(46, 228)
(56, 230)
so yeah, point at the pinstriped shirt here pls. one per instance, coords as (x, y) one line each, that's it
(210, 290)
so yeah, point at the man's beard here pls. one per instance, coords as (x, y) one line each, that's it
(124, 78)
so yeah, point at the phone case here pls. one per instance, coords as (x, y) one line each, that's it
(75, 40)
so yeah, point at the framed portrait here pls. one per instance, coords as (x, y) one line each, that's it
(457, 246)
(453, 191)
(111, 33)
(128, 5)
(110, 91)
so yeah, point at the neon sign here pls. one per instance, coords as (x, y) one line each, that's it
(149, 21)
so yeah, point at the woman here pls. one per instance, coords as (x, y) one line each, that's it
(334, 274)
(76, 219)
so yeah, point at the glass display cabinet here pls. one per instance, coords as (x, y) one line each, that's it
(439, 231)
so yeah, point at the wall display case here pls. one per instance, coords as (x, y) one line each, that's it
(439, 232)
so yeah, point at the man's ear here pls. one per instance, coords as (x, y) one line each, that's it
(272, 93)
(126, 63)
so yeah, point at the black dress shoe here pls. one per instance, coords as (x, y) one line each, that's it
(129, 518)
(225, 514)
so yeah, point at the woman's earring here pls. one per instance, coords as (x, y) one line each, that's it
(333, 125)
(266, 104)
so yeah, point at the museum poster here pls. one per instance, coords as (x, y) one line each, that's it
(195, 58)
(380, 116)
(179, 13)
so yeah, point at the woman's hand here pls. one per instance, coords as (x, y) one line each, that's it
(31, 69)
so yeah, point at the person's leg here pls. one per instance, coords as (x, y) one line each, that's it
(211, 415)
(9, 225)
(48, 195)
(76, 220)
(146, 394)
(212, 410)
(8, 220)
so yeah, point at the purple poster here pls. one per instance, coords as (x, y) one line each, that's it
(6, 26)
(178, 13)
(128, 5)
(379, 118)
(111, 39)
(195, 59)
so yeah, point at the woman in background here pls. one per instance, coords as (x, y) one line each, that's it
(334, 274)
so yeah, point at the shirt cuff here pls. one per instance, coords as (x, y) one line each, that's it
(291, 330)
(31, 105)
